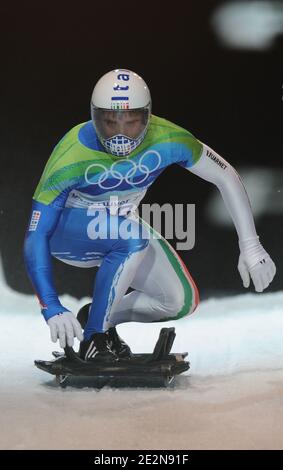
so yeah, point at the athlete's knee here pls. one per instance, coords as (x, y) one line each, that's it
(183, 301)
(175, 302)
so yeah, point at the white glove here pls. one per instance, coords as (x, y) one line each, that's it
(256, 263)
(65, 326)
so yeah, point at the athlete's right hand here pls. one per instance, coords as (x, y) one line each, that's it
(66, 327)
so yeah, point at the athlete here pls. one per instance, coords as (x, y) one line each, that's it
(119, 153)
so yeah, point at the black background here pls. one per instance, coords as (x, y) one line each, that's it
(51, 57)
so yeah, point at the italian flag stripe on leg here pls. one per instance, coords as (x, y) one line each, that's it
(189, 286)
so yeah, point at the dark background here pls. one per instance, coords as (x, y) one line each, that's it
(51, 57)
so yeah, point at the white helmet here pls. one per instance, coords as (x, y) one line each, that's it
(120, 111)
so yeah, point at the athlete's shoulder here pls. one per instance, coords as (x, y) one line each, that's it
(183, 145)
(71, 136)
(83, 136)
(78, 144)
(164, 126)
(65, 145)
(64, 165)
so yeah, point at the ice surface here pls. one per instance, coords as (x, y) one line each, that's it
(230, 399)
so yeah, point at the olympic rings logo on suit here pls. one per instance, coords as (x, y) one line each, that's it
(115, 174)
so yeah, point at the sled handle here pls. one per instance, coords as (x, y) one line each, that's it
(71, 354)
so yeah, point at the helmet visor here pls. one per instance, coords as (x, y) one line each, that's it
(127, 122)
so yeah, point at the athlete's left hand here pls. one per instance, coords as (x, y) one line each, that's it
(256, 263)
